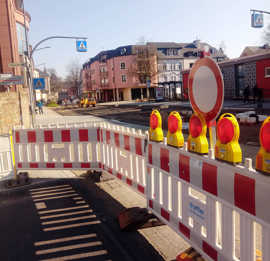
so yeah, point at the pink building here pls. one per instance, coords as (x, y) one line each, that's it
(110, 76)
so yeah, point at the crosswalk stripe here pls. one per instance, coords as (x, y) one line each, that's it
(44, 188)
(77, 256)
(65, 248)
(51, 194)
(77, 198)
(80, 202)
(50, 190)
(66, 196)
(67, 214)
(64, 239)
(40, 205)
(61, 209)
(68, 220)
(72, 225)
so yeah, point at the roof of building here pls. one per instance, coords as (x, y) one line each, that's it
(167, 44)
(185, 50)
(245, 59)
(252, 50)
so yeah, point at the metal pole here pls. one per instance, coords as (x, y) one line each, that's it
(260, 11)
(29, 73)
(54, 37)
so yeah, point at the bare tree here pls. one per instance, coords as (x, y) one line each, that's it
(144, 67)
(266, 35)
(73, 79)
(55, 81)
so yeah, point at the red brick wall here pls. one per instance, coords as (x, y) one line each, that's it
(263, 82)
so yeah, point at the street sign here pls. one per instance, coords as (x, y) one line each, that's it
(81, 45)
(39, 83)
(16, 64)
(5, 76)
(206, 88)
(9, 79)
(257, 20)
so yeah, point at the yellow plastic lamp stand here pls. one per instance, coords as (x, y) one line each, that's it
(197, 141)
(227, 146)
(155, 130)
(175, 136)
(263, 156)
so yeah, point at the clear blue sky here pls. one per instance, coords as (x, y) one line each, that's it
(112, 23)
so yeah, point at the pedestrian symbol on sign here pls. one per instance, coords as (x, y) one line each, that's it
(39, 83)
(81, 46)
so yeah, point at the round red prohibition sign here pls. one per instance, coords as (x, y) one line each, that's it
(206, 88)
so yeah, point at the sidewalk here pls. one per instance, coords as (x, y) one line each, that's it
(50, 116)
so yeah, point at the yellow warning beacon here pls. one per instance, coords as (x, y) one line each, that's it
(197, 141)
(263, 156)
(227, 146)
(175, 136)
(155, 130)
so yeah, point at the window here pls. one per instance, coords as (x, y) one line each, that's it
(267, 72)
(122, 66)
(124, 78)
(190, 65)
(103, 69)
(164, 67)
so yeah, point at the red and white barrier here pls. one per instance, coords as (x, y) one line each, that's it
(219, 208)
(122, 153)
(6, 168)
(199, 198)
(56, 148)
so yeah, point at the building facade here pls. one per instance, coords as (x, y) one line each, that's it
(142, 71)
(108, 76)
(14, 25)
(246, 71)
(240, 73)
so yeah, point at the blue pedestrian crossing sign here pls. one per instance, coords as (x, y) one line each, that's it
(257, 20)
(81, 45)
(39, 83)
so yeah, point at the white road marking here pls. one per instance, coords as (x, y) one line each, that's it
(67, 214)
(64, 239)
(77, 198)
(44, 188)
(50, 190)
(61, 209)
(80, 202)
(40, 205)
(78, 256)
(67, 220)
(71, 226)
(65, 248)
(51, 194)
(66, 196)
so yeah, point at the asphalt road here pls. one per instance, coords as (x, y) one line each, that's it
(68, 219)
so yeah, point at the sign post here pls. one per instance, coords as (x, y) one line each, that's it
(9, 79)
(206, 92)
